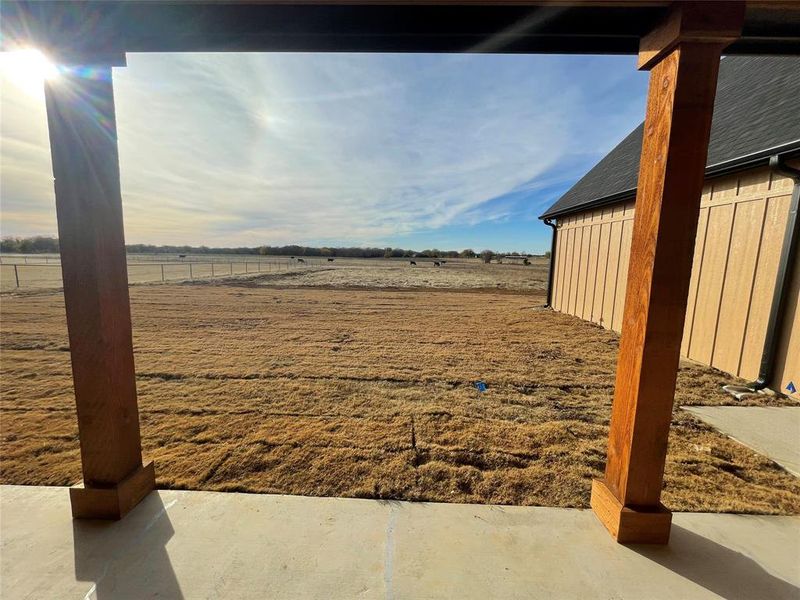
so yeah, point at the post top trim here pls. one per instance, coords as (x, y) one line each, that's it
(698, 22)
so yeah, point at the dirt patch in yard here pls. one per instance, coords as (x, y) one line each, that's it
(366, 393)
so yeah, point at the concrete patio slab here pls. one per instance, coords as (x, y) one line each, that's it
(773, 431)
(180, 544)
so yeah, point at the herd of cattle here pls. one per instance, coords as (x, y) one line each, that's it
(413, 263)
(436, 263)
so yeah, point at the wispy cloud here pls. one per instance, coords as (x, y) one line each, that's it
(302, 148)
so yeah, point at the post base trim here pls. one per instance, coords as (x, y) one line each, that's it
(115, 502)
(627, 525)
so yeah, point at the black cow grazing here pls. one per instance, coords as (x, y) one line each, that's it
(436, 263)
(412, 263)
(300, 260)
(444, 262)
(292, 257)
(330, 260)
(181, 256)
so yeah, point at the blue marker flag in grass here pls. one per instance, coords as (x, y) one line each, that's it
(481, 385)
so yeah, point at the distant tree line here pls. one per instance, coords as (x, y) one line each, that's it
(32, 245)
(41, 244)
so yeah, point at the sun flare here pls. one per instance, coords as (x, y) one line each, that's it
(27, 69)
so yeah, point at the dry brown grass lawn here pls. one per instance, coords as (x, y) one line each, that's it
(365, 393)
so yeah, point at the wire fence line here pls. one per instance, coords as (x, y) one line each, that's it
(29, 274)
(25, 260)
(39, 259)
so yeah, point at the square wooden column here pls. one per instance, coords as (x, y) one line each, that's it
(683, 55)
(83, 144)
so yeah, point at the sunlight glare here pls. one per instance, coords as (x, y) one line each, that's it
(27, 69)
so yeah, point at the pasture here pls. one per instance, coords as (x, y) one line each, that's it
(41, 272)
(357, 380)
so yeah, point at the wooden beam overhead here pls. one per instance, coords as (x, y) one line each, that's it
(77, 31)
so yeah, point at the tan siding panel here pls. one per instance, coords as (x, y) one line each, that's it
(591, 279)
(611, 274)
(764, 285)
(622, 275)
(554, 267)
(697, 268)
(739, 275)
(568, 239)
(706, 195)
(558, 273)
(580, 282)
(753, 182)
(715, 255)
(563, 234)
(566, 268)
(577, 242)
(602, 263)
(562, 270)
(727, 187)
(781, 183)
(580, 308)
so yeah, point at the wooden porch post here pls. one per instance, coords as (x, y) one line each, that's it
(683, 56)
(83, 144)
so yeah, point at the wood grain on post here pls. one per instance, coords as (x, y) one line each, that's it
(83, 143)
(680, 104)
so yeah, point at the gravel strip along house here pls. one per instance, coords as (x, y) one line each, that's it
(743, 314)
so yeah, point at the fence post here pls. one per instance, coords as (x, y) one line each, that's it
(191, 276)
(162, 272)
(230, 265)
(245, 267)
(212, 269)
(16, 275)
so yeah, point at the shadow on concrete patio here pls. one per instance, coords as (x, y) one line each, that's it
(183, 544)
(127, 559)
(719, 569)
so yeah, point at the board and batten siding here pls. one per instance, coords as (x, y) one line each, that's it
(739, 239)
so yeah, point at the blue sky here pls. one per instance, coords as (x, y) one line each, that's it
(419, 151)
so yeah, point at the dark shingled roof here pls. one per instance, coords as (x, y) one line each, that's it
(756, 113)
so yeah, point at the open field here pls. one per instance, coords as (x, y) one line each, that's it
(44, 272)
(365, 393)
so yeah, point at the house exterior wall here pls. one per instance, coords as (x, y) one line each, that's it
(739, 238)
